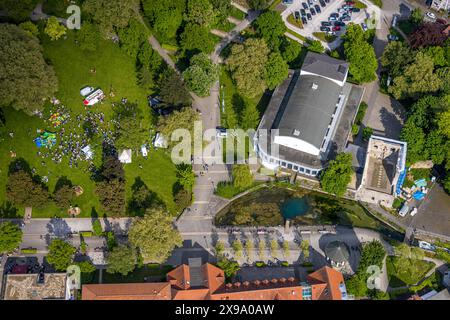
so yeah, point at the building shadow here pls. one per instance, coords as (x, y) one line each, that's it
(189, 250)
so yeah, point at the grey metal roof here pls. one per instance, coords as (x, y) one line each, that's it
(308, 111)
(337, 251)
(325, 66)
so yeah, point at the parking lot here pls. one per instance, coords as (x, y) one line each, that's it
(314, 25)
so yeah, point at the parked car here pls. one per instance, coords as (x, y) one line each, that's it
(364, 26)
(163, 111)
(349, 3)
(304, 20)
(392, 37)
(153, 101)
(322, 3)
(345, 18)
(325, 29)
(308, 15)
(334, 14)
(221, 132)
(310, 2)
(325, 24)
(431, 15)
(339, 24)
(288, 2)
(317, 7)
(355, 9)
(332, 18)
(394, 20)
(313, 12)
(304, 5)
(296, 15)
(336, 28)
(302, 12)
(327, 1)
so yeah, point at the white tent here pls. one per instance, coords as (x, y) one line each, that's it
(160, 141)
(87, 152)
(125, 156)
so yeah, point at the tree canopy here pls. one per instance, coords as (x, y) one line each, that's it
(165, 17)
(18, 11)
(201, 74)
(276, 70)
(154, 236)
(122, 259)
(60, 254)
(271, 28)
(242, 176)
(335, 178)
(200, 12)
(247, 63)
(10, 236)
(26, 79)
(22, 190)
(183, 119)
(111, 14)
(360, 54)
(54, 29)
(197, 37)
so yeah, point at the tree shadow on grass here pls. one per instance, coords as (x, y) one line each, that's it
(8, 211)
(142, 199)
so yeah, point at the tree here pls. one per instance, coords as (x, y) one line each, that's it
(200, 12)
(290, 49)
(182, 199)
(428, 34)
(304, 246)
(360, 54)
(416, 16)
(10, 237)
(132, 37)
(172, 89)
(201, 74)
(367, 133)
(396, 56)
(97, 228)
(18, 11)
(154, 235)
(286, 249)
(27, 80)
(230, 268)
(186, 176)
(250, 116)
(237, 247)
(417, 78)
(54, 29)
(249, 246)
(131, 128)
(87, 270)
(197, 38)
(439, 56)
(88, 36)
(335, 178)
(247, 63)
(258, 4)
(415, 137)
(222, 9)
(262, 249)
(112, 196)
(271, 28)
(219, 248)
(443, 121)
(242, 176)
(316, 46)
(274, 247)
(276, 70)
(183, 119)
(30, 28)
(60, 254)
(437, 147)
(150, 66)
(111, 14)
(22, 190)
(165, 17)
(122, 259)
(63, 196)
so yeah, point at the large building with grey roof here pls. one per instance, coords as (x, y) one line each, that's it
(309, 117)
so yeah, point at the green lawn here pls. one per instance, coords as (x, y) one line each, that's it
(401, 276)
(324, 37)
(236, 13)
(297, 23)
(115, 71)
(297, 35)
